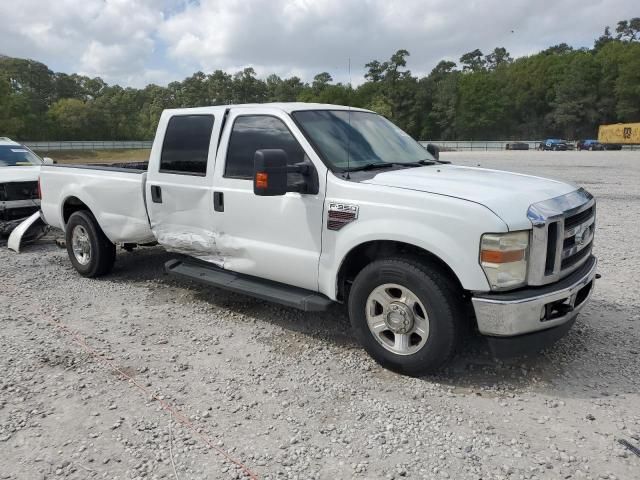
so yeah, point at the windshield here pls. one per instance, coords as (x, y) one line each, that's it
(17, 156)
(352, 139)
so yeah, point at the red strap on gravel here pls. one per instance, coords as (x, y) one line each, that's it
(79, 339)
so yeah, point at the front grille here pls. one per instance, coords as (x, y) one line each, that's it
(18, 191)
(575, 258)
(579, 218)
(562, 237)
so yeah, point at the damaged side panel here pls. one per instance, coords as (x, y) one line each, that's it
(184, 222)
(187, 240)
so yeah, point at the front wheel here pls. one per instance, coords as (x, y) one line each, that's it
(406, 315)
(91, 253)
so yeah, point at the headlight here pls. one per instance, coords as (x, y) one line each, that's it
(503, 257)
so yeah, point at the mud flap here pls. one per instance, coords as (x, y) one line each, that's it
(29, 230)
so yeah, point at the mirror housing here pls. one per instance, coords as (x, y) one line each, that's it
(271, 171)
(48, 161)
(433, 150)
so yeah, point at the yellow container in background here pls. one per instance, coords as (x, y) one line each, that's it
(621, 133)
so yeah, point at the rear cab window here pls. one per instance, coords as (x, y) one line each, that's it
(185, 148)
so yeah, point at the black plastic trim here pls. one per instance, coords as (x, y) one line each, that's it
(529, 343)
(263, 289)
(100, 167)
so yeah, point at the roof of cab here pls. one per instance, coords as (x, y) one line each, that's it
(284, 106)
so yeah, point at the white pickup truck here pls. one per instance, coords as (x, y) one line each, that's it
(307, 205)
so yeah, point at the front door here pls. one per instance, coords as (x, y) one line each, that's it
(278, 238)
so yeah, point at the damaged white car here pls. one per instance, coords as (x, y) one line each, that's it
(19, 197)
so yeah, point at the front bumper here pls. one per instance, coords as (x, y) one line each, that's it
(14, 212)
(535, 309)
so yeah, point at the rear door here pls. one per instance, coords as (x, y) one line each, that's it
(179, 188)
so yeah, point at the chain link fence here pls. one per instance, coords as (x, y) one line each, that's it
(453, 145)
(478, 145)
(89, 145)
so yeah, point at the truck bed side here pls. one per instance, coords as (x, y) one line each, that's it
(114, 195)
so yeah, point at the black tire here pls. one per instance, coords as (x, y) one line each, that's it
(102, 253)
(442, 301)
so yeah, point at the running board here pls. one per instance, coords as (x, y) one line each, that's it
(256, 287)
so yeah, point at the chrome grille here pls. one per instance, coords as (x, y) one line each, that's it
(562, 237)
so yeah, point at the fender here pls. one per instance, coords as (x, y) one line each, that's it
(446, 227)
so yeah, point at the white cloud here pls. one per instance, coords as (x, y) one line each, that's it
(111, 39)
(136, 41)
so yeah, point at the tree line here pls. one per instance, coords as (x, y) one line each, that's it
(558, 92)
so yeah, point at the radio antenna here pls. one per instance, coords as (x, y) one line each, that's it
(348, 177)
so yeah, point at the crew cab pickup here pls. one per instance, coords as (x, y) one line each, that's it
(308, 205)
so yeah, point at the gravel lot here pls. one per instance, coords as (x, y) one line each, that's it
(290, 394)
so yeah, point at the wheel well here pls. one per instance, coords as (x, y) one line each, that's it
(364, 254)
(71, 205)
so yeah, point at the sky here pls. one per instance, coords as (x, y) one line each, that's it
(137, 42)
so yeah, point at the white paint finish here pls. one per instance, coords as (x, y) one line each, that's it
(185, 221)
(115, 199)
(278, 238)
(442, 209)
(507, 194)
(448, 227)
(19, 174)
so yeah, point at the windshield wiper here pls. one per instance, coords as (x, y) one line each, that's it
(371, 166)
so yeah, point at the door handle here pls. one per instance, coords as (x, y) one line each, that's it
(218, 201)
(156, 194)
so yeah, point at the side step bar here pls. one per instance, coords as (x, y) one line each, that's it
(287, 295)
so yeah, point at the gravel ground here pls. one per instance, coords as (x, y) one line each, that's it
(290, 394)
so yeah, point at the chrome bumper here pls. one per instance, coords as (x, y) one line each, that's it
(535, 309)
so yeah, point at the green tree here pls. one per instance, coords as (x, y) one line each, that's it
(70, 119)
(628, 30)
(473, 61)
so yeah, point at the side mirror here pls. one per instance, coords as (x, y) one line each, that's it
(270, 172)
(433, 150)
(48, 161)
(271, 177)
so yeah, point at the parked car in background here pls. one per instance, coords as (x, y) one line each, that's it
(554, 144)
(611, 146)
(590, 145)
(19, 171)
(517, 146)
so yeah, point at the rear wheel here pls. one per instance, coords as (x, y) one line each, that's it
(406, 314)
(90, 251)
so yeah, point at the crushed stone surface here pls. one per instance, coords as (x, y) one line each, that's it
(291, 394)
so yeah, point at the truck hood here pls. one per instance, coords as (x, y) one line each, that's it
(19, 174)
(507, 194)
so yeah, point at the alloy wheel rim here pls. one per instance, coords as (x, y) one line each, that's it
(81, 245)
(397, 319)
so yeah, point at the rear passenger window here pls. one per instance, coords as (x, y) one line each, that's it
(185, 148)
(255, 132)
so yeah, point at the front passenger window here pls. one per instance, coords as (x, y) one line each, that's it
(257, 132)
